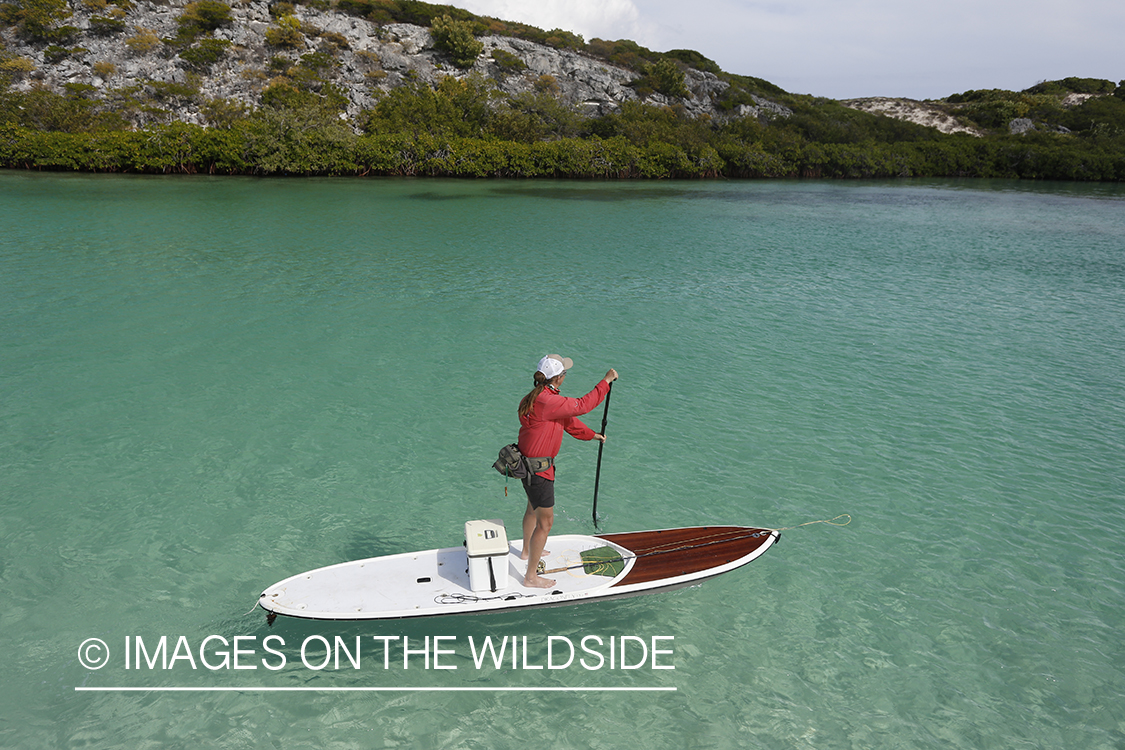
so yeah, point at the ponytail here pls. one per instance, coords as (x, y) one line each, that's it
(528, 402)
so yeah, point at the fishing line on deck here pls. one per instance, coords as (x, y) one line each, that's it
(461, 598)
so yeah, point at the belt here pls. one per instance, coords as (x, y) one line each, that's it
(539, 465)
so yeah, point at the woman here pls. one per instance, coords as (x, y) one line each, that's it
(544, 416)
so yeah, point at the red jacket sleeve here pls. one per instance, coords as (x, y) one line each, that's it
(560, 409)
(576, 428)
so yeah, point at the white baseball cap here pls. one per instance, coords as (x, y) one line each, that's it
(554, 364)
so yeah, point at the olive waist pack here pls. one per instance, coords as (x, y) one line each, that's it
(512, 463)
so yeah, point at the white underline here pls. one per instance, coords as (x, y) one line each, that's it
(374, 689)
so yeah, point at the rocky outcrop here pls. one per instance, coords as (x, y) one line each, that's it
(1024, 125)
(920, 113)
(763, 109)
(368, 59)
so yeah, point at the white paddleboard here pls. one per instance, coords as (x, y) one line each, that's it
(437, 582)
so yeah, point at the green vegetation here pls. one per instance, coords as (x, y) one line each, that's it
(204, 15)
(38, 20)
(456, 38)
(109, 24)
(200, 18)
(17, 66)
(143, 41)
(533, 117)
(454, 108)
(224, 113)
(286, 34)
(75, 112)
(508, 62)
(206, 53)
(465, 126)
(1073, 86)
(53, 54)
(459, 128)
(1101, 119)
(993, 109)
(664, 77)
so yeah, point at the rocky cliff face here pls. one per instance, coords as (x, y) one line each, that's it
(368, 59)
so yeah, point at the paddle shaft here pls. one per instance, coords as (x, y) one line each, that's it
(598, 472)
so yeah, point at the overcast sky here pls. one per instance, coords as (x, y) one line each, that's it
(904, 48)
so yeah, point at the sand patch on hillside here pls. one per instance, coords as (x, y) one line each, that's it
(920, 113)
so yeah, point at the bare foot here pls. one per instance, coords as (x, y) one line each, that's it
(536, 582)
(546, 554)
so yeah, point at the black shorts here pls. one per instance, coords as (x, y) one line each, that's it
(540, 491)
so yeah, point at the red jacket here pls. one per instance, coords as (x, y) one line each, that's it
(541, 431)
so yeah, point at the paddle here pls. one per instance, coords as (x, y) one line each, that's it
(598, 473)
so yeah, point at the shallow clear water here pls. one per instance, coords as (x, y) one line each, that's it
(207, 385)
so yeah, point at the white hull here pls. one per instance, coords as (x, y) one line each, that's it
(437, 582)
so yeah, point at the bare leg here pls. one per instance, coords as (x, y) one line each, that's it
(528, 530)
(544, 519)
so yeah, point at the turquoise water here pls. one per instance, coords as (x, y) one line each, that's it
(208, 385)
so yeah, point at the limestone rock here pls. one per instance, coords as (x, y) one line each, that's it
(371, 59)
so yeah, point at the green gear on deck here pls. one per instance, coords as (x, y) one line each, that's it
(602, 561)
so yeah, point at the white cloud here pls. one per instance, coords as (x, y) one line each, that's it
(859, 48)
(607, 19)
